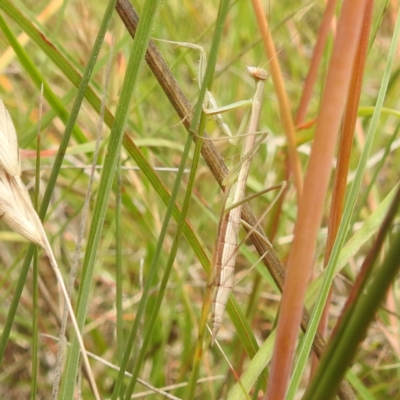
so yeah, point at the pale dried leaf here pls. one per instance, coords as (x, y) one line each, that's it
(9, 152)
(17, 210)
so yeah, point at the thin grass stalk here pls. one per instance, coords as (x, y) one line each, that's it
(118, 264)
(312, 74)
(301, 255)
(110, 165)
(283, 100)
(202, 325)
(233, 372)
(35, 269)
(35, 320)
(254, 370)
(35, 294)
(330, 270)
(80, 235)
(362, 306)
(79, 339)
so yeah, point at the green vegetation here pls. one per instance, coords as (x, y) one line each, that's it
(150, 212)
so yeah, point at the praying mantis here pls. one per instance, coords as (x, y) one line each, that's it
(227, 242)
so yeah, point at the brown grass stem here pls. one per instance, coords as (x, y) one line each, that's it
(302, 251)
(283, 100)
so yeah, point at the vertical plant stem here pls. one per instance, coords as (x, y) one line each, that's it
(118, 264)
(312, 74)
(301, 255)
(35, 319)
(284, 106)
(35, 270)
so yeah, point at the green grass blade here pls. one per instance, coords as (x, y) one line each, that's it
(38, 79)
(255, 368)
(359, 315)
(198, 110)
(360, 238)
(136, 58)
(362, 392)
(35, 273)
(118, 263)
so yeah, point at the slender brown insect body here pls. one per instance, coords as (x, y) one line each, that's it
(230, 223)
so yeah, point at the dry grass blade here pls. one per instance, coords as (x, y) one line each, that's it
(18, 212)
(14, 208)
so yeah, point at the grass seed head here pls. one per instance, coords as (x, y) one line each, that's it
(15, 204)
(9, 152)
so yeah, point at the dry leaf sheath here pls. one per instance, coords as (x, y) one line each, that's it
(17, 211)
